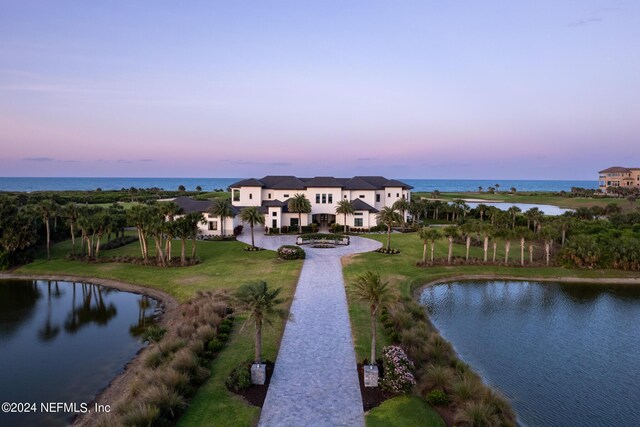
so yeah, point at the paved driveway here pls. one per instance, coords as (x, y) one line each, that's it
(315, 381)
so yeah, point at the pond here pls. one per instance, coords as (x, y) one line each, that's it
(564, 354)
(64, 342)
(546, 209)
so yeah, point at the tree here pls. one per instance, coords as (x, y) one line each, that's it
(344, 207)
(513, 211)
(632, 200)
(468, 230)
(370, 289)
(513, 190)
(388, 216)
(198, 188)
(534, 216)
(479, 189)
(523, 234)
(183, 231)
(402, 206)
(487, 232)
(223, 209)
(450, 232)
(139, 216)
(299, 204)
(507, 235)
(47, 209)
(252, 216)
(182, 188)
(417, 208)
(549, 234)
(482, 208)
(262, 304)
(71, 212)
(429, 234)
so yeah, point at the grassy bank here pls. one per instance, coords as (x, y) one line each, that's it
(406, 277)
(224, 266)
(538, 198)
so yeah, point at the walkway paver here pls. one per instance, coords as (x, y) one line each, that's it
(315, 382)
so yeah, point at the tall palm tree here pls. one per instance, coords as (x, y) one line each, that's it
(71, 212)
(262, 304)
(224, 209)
(533, 215)
(523, 233)
(344, 207)
(482, 208)
(513, 211)
(388, 216)
(429, 234)
(139, 216)
(369, 288)
(252, 216)
(402, 206)
(195, 219)
(47, 209)
(417, 208)
(469, 229)
(450, 232)
(183, 231)
(549, 234)
(507, 235)
(299, 204)
(486, 230)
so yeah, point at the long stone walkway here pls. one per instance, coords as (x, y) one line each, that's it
(315, 382)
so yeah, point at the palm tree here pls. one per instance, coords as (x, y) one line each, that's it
(469, 229)
(47, 209)
(487, 232)
(252, 216)
(345, 208)
(388, 216)
(299, 204)
(429, 234)
(565, 222)
(450, 232)
(369, 288)
(223, 209)
(195, 219)
(402, 206)
(139, 216)
(71, 212)
(523, 234)
(482, 208)
(417, 208)
(513, 211)
(198, 188)
(506, 235)
(262, 304)
(549, 234)
(533, 217)
(183, 231)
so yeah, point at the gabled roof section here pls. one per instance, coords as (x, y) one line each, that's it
(251, 182)
(357, 183)
(282, 182)
(189, 205)
(322, 181)
(360, 205)
(277, 204)
(396, 183)
(615, 169)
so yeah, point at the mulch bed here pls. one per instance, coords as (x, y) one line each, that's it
(256, 394)
(371, 396)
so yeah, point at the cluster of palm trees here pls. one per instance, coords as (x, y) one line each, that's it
(500, 226)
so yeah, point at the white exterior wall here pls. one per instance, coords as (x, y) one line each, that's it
(286, 218)
(281, 195)
(249, 196)
(269, 217)
(203, 228)
(324, 208)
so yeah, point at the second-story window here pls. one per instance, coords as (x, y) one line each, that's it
(330, 198)
(388, 194)
(361, 196)
(324, 198)
(250, 196)
(318, 198)
(378, 198)
(236, 195)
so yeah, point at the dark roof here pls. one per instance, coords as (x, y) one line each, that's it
(359, 205)
(189, 205)
(278, 182)
(396, 183)
(288, 182)
(357, 183)
(321, 181)
(251, 182)
(276, 203)
(615, 169)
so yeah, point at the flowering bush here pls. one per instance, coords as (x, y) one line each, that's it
(398, 376)
(290, 252)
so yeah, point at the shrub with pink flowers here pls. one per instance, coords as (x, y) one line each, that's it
(398, 370)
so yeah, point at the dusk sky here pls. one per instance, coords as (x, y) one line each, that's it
(407, 89)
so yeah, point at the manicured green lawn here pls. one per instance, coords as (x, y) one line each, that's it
(224, 266)
(403, 411)
(545, 199)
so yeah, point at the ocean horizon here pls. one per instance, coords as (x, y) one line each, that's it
(30, 184)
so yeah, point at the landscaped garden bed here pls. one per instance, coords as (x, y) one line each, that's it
(322, 238)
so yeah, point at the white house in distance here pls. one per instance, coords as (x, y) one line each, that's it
(367, 194)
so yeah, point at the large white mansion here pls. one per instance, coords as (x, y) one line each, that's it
(367, 194)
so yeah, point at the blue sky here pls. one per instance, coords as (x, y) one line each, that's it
(413, 89)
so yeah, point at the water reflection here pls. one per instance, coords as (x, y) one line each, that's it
(87, 332)
(565, 354)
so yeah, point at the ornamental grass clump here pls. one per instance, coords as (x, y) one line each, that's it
(398, 370)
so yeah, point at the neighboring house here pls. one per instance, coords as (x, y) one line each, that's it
(367, 194)
(618, 176)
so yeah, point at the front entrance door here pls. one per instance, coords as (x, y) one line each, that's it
(274, 223)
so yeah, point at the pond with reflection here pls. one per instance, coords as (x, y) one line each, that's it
(564, 354)
(64, 342)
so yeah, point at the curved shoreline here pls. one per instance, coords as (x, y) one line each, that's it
(109, 393)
